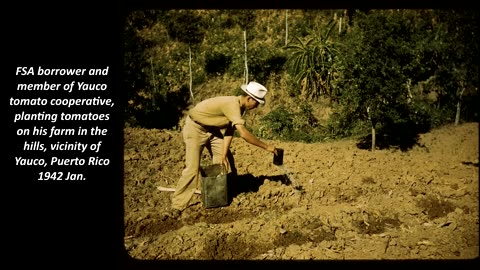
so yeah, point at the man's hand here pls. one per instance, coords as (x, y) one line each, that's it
(271, 148)
(225, 165)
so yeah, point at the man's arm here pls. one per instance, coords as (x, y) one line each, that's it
(250, 138)
(227, 140)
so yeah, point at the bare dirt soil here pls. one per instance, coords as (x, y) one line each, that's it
(336, 202)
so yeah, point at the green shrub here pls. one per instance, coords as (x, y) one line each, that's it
(217, 63)
(277, 123)
(283, 124)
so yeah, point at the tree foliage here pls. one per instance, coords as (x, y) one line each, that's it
(457, 69)
(387, 54)
(185, 26)
(409, 68)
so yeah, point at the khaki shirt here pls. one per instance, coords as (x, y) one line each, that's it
(221, 112)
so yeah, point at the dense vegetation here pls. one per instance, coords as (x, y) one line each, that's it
(383, 75)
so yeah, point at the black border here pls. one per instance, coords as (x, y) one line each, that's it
(81, 226)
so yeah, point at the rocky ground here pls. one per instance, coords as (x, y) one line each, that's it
(330, 201)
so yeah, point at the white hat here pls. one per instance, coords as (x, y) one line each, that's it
(256, 91)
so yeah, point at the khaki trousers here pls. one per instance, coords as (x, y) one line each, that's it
(196, 138)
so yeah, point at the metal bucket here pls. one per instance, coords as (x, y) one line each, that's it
(214, 186)
(278, 159)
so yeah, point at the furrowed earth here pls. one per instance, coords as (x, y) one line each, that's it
(330, 201)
